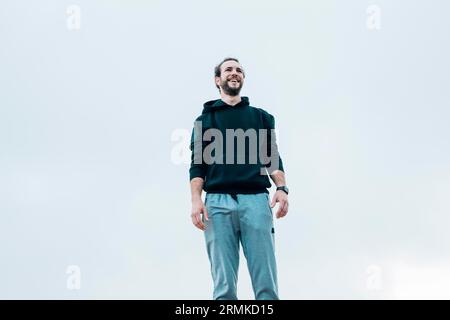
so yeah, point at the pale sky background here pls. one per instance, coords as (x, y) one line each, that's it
(90, 175)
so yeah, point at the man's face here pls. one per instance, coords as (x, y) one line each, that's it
(231, 78)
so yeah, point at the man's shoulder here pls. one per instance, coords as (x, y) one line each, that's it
(264, 113)
(200, 117)
(204, 119)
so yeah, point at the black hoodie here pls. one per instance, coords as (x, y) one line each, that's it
(234, 177)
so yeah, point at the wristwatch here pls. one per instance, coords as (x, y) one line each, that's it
(283, 188)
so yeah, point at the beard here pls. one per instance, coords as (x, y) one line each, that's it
(231, 91)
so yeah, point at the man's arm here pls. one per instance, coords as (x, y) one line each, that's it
(196, 189)
(280, 196)
(276, 170)
(198, 207)
(278, 178)
(197, 174)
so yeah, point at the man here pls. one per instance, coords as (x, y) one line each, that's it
(236, 208)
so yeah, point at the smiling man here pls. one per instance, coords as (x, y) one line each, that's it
(237, 208)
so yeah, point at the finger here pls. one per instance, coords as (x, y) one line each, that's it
(281, 209)
(205, 212)
(197, 222)
(285, 210)
(274, 201)
(282, 204)
(194, 219)
(201, 225)
(278, 211)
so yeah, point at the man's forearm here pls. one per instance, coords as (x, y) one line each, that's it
(196, 188)
(278, 178)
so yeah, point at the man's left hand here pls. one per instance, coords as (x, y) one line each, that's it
(281, 197)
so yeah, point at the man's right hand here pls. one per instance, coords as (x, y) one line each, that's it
(199, 208)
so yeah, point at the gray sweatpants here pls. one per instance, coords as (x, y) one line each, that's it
(245, 219)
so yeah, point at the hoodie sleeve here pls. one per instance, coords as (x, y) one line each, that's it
(272, 143)
(198, 167)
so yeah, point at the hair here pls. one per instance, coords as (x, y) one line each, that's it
(218, 71)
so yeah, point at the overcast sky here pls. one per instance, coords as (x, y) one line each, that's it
(98, 99)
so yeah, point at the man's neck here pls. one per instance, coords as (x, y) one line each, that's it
(230, 100)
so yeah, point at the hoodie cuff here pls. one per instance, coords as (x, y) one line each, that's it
(197, 172)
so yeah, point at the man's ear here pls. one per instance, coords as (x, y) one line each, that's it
(217, 81)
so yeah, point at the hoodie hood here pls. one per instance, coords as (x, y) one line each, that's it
(218, 104)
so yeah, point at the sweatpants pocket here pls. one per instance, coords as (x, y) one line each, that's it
(268, 204)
